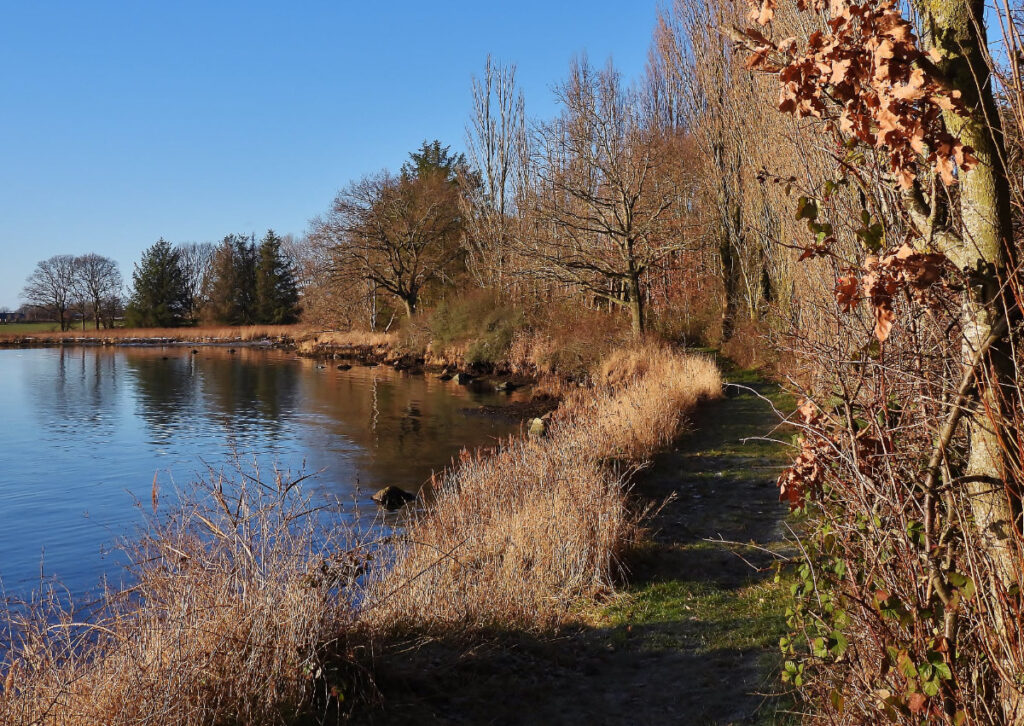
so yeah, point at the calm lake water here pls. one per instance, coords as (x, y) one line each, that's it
(83, 432)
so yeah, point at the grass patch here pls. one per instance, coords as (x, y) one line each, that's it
(184, 334)
(25, 328)
(699, 616)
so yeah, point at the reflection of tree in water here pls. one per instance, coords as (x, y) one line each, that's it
(81, 391)
(165, 392)
(241, 398)
(403, 427)
(248, 396)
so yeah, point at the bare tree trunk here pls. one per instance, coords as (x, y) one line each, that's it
(636, 305)
(956, 29)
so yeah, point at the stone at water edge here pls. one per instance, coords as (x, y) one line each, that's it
(538, 427)
(505, 387)
(463, 379)
(392, 497)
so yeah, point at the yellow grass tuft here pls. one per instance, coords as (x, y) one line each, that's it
(354, 339)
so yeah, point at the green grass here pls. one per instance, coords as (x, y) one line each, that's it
(23, 328)
(707, 618)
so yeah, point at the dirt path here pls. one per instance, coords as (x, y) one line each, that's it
(692, 638)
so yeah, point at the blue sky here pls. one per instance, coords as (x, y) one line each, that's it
(122, 122)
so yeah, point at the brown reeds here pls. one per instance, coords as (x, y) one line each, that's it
(518, 537)
(208, 334)
(239, 599)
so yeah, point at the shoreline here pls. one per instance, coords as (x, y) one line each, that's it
(320, 345)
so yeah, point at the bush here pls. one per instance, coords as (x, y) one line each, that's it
(479, 324)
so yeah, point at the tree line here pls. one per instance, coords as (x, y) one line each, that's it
(240, 281)
(89, 285)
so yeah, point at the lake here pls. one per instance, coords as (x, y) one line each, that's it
(83, 432)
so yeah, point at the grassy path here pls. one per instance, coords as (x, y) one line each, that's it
(691, 640)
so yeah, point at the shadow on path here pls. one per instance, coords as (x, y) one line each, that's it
(690, 640)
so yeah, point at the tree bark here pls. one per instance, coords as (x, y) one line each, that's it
(956, 29)
(636, 306)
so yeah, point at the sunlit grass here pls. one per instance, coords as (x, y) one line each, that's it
(520, 536)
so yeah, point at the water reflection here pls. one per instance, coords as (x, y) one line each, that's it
(73, 392)
(84, 430)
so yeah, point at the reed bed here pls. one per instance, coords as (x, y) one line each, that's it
(209, 334)
(331, 341)
(517, 537)
(239, 608)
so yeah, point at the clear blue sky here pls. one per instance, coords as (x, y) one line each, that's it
(122, 122)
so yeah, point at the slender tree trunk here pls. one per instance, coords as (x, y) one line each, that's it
(956, 29)
(729, 283)
(636, 305)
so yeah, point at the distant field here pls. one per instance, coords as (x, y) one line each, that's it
(22, 328)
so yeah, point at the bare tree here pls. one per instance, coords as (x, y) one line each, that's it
(497, 148)
(398, 233)
(52, 286)
(196, 265)
(97, 279)
(601, 202)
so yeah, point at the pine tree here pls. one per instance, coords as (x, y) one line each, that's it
(277, 294)
(232, 286)
(159, 298)
(433, 159)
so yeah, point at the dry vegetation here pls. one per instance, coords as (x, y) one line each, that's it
(210, 334)
(355, 340)
(241, 596)
(245, 596)
(518, 536)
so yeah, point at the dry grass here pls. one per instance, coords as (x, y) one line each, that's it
(245, 595)
(245, 333)
(240, 599)
(518, 537)
(322, 342)
(643, 394)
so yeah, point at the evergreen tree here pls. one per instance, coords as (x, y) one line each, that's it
(277, 294)
(159, 297)
(434, 159)
(232, 284)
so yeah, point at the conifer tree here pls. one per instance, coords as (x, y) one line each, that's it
(159, 298)
(232, 291)
(277, 294)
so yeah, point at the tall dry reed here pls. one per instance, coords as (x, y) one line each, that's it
(517, 537)
(240, 604)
